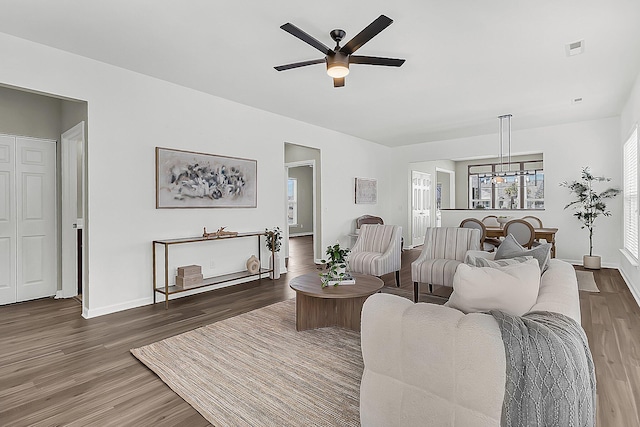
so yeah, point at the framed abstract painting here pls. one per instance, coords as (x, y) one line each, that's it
(186, 179)
(366, 191)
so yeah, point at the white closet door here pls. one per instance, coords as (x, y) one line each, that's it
(8, 224)
(420, 206)
(36, 213)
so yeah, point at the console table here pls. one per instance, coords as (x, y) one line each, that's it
(207, 281)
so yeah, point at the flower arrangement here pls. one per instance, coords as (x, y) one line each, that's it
(274, 238)
(336, 264)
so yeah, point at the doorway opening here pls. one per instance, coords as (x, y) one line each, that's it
(41, 116)
(302, 201)
(445, 192)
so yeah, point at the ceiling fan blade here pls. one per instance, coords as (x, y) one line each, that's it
(375, 60)
(367, 34)
(299, 64)
(338, 82)
(297, 32)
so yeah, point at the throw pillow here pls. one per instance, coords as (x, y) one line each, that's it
(510, 248)
(512, 289)
(484, 262)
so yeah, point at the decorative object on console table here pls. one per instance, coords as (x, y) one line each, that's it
(336, 266)
(189, 276)
(589, 205)
(186, 179)
(366, 191)
(274, 242)
(253, 264)
(220, 232)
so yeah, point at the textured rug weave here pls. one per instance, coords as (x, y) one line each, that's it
(586, 281)
(256, 369)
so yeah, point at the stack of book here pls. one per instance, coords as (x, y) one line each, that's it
(347, 279)
(189, 276)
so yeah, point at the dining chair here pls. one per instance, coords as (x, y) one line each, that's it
(533, 220)
(486, 244)
(491, 221)
(522, 231)
(377, 251)
(368, 219)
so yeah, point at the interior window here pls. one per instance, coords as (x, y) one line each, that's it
(518, 185)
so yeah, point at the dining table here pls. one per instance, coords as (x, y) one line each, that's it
(546, 233)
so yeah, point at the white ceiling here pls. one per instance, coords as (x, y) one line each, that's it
(466, 61)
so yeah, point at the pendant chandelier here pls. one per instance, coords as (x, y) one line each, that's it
(505, 127)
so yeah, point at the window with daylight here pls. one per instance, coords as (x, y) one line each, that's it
(292, 198)
(518, 185)
(630, 192)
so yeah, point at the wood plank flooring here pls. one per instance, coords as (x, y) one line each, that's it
(57, 368)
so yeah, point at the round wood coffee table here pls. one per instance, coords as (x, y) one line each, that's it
(318, 307)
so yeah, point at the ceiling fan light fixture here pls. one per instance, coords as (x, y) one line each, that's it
(338, 65)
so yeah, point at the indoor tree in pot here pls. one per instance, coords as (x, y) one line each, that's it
(589, 205)
(274, 240)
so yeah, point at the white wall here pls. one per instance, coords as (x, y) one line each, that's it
(629, 117)
(566, 149)
(130, 114)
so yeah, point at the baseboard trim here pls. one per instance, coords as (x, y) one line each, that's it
(101, 311)
(604, 264)
(629, 283)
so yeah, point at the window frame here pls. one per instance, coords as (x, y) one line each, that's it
(630, 226)
(292, 202)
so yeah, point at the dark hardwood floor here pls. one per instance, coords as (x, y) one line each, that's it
(57, 368)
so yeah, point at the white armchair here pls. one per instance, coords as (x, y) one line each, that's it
(444, 249)
(377, 251)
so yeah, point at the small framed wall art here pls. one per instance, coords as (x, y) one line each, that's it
(366, 191)
(186, 179)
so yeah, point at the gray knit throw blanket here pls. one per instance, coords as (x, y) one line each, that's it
(550, 374)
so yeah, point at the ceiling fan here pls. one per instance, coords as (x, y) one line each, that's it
(339, 58)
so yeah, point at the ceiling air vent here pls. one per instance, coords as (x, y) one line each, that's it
(575, 48)
(576, 100)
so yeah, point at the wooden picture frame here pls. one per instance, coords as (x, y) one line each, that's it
(187, 179)
(366, 190)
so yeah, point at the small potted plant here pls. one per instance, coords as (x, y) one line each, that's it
(274, 242)
(589, 205)
(336, 264)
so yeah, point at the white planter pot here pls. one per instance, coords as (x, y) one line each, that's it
(591, 262)
(274, 265)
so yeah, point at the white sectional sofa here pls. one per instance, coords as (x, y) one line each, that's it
(432, 365)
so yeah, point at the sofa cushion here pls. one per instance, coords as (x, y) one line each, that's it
(510, 248)
(512, 289)
(485, 262)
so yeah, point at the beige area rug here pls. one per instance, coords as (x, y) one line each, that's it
(256, 369)
(586, 281)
